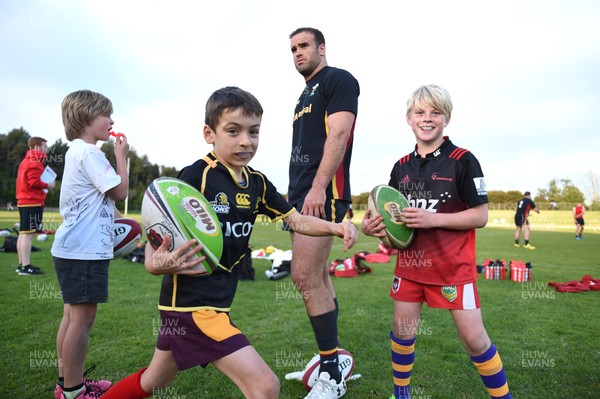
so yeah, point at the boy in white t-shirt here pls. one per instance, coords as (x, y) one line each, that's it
(83, 245)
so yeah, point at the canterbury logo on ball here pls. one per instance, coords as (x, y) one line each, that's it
(395, 212)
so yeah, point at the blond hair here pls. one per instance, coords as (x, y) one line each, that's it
(431, 95)
(80, 108)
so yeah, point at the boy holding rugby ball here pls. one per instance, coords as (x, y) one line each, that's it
(200, 305)
(448, 200)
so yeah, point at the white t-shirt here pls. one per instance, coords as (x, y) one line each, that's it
(87, 229)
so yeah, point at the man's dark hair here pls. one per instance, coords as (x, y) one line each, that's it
(319, 38)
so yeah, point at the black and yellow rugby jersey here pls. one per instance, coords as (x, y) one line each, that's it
(447, 180)
(237, 205)
(331, 90)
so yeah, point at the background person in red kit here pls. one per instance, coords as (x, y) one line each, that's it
(31, 197)
(578, 212)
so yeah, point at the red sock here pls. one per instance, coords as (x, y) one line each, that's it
(128, 388)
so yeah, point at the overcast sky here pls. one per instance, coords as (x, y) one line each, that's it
(524, 76)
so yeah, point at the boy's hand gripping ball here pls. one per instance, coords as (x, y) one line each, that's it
(389, 203)
(173, 207)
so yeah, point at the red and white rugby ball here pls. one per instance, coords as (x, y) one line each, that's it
(175, 208)
(127, 235)
(388, 202)
(311, 370)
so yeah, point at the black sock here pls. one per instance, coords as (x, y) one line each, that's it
(526, 242)
(330, 364)
(325, 330)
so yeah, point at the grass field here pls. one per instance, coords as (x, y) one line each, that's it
(548, 341)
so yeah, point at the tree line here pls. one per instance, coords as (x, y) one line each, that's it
(560, 194)
(13, 147)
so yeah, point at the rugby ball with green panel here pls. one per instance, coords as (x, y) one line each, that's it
(388, 202)
(175, 208)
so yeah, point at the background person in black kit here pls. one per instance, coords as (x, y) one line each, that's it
(524, 206)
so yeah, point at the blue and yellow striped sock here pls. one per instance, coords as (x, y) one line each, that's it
(403, 358)
(489, 366)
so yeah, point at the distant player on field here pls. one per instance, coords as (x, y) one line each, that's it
(199, 306)
(578, 212)
(524, 206)
(446, 191)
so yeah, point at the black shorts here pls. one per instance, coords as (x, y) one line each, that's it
(82, 281)
(521, 220)
(31, 219)
(339, 208)
(580, 221)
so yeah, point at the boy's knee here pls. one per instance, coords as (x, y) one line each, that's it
(476, 344)
(405, 329)
(273, 387)
(267, 388)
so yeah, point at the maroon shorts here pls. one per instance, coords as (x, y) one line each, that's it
(198, 338)
(455, 297)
